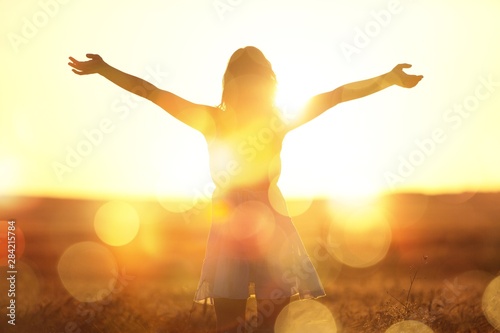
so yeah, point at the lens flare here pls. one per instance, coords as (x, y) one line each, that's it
(116, 223)
(362, 237)
(409, 326)
(305, 316)
(88, 271)
(251, 227)
(491, 303)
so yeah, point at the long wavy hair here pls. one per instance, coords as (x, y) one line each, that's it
(248, 74)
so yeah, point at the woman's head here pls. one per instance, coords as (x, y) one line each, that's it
(249, 78)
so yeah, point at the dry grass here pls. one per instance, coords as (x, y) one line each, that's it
(462, 243)
(355, 311)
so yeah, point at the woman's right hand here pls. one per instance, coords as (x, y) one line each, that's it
(94, 65)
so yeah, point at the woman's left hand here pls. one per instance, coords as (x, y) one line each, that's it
(400, 78)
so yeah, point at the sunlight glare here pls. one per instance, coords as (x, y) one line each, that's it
(288, 207)
(405, 210)
(362, 236)
(175, 204)
(9, 174)
(351, 190)
(290, 100)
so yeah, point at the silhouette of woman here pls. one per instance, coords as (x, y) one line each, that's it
(253, 247)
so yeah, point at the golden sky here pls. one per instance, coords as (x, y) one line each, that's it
(66, 135)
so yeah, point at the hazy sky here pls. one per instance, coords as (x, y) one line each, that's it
(67, 135)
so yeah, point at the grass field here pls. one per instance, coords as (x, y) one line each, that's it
(441, 254)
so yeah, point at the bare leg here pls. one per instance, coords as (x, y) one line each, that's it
(267, 312)
(230, 315)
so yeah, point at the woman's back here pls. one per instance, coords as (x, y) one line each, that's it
(245, 152)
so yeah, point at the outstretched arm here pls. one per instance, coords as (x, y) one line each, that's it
(195, 115)
(322, 102)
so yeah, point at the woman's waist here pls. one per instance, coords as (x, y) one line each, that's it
(242, 194)
(255, 191)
